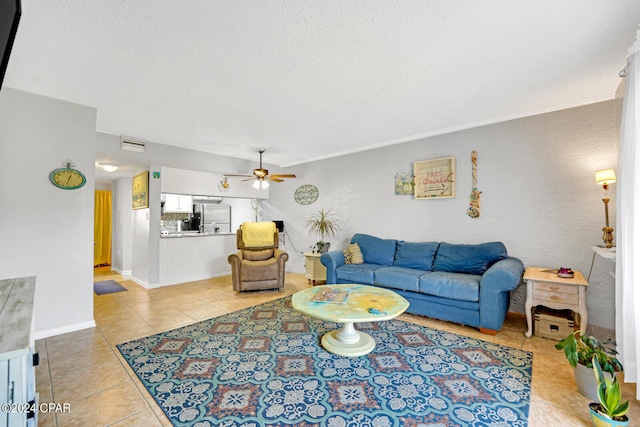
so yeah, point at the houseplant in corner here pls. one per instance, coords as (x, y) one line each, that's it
(611, 410)
(324, 224)
(579, 350)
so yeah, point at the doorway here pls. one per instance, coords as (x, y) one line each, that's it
(102, 226)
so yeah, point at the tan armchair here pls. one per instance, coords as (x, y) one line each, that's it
(259, 263)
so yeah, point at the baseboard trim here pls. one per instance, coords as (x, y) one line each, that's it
(194, 279)
(64, 330)
(516, 314)
(143, 283)
(126, 274)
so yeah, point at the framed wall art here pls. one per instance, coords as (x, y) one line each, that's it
(435, 179)
(140, 191)
(403, 183)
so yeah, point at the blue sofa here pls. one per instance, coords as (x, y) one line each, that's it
(468, 284)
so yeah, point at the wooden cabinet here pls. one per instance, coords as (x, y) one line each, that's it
(315, 270)
(17, 371)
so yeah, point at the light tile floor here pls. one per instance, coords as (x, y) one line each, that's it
(85, 370)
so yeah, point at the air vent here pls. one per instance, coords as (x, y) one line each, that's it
(129, 144)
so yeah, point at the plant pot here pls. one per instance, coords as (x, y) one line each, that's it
(324, 248)
(586, 381)
(601, 420)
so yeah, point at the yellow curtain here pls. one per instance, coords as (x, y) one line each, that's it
(102, 228)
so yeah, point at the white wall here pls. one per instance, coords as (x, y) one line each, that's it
(538, 187)
(141, 259)
(46, 231)
(122, 227)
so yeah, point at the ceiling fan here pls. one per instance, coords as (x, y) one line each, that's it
(261, 175)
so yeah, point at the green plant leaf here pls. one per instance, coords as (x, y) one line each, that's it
(324, 224)
(622, 409)
(609, 392)
(597, 369)
(580, 349)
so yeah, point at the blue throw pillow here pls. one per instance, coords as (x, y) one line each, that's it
(375, 250)
(470, 259)
(415, 255)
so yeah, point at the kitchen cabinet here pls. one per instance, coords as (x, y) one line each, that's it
(178, 203)
(17, 361)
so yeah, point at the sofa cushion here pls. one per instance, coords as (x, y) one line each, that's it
(415, 255)
(347, 256)
(356, 254)
(407, 279)
(471, 259)
(252, 271)
(375, 250)
(258, 254)
(458, 286)
(358, 273)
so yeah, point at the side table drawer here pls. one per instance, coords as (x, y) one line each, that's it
(555, 287)
(557, 297)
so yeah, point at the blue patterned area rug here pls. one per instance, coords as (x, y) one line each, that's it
(264, 366)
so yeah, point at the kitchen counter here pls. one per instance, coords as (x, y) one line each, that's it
(174, 234)
(202, 257)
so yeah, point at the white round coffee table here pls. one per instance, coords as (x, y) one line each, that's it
(364, 304)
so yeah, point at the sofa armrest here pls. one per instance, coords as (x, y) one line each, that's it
(235, 260)
(495, 287)
(281, 256)
(504, 275)
(332, 260)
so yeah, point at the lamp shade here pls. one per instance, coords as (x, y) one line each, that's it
(605, 176)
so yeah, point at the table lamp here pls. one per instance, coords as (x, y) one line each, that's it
(605, 177)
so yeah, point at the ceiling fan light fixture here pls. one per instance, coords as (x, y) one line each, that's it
(260, 183)
(260, 173)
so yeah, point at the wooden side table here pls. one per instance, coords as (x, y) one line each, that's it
(544, 287)
(315, 270)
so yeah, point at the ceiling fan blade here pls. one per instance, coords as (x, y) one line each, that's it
(286, 175)
(271, 178)
(237, 174)
(248, 179)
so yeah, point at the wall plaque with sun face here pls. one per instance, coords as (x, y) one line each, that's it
(306, 194)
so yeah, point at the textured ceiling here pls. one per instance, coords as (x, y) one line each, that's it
(312, 79)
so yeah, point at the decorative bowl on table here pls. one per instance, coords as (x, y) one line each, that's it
(566, 273)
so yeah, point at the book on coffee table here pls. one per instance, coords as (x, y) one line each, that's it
(336, 296)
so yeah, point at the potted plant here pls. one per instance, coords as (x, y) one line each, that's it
(324, 224)
(579, 350)
(611, 411)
